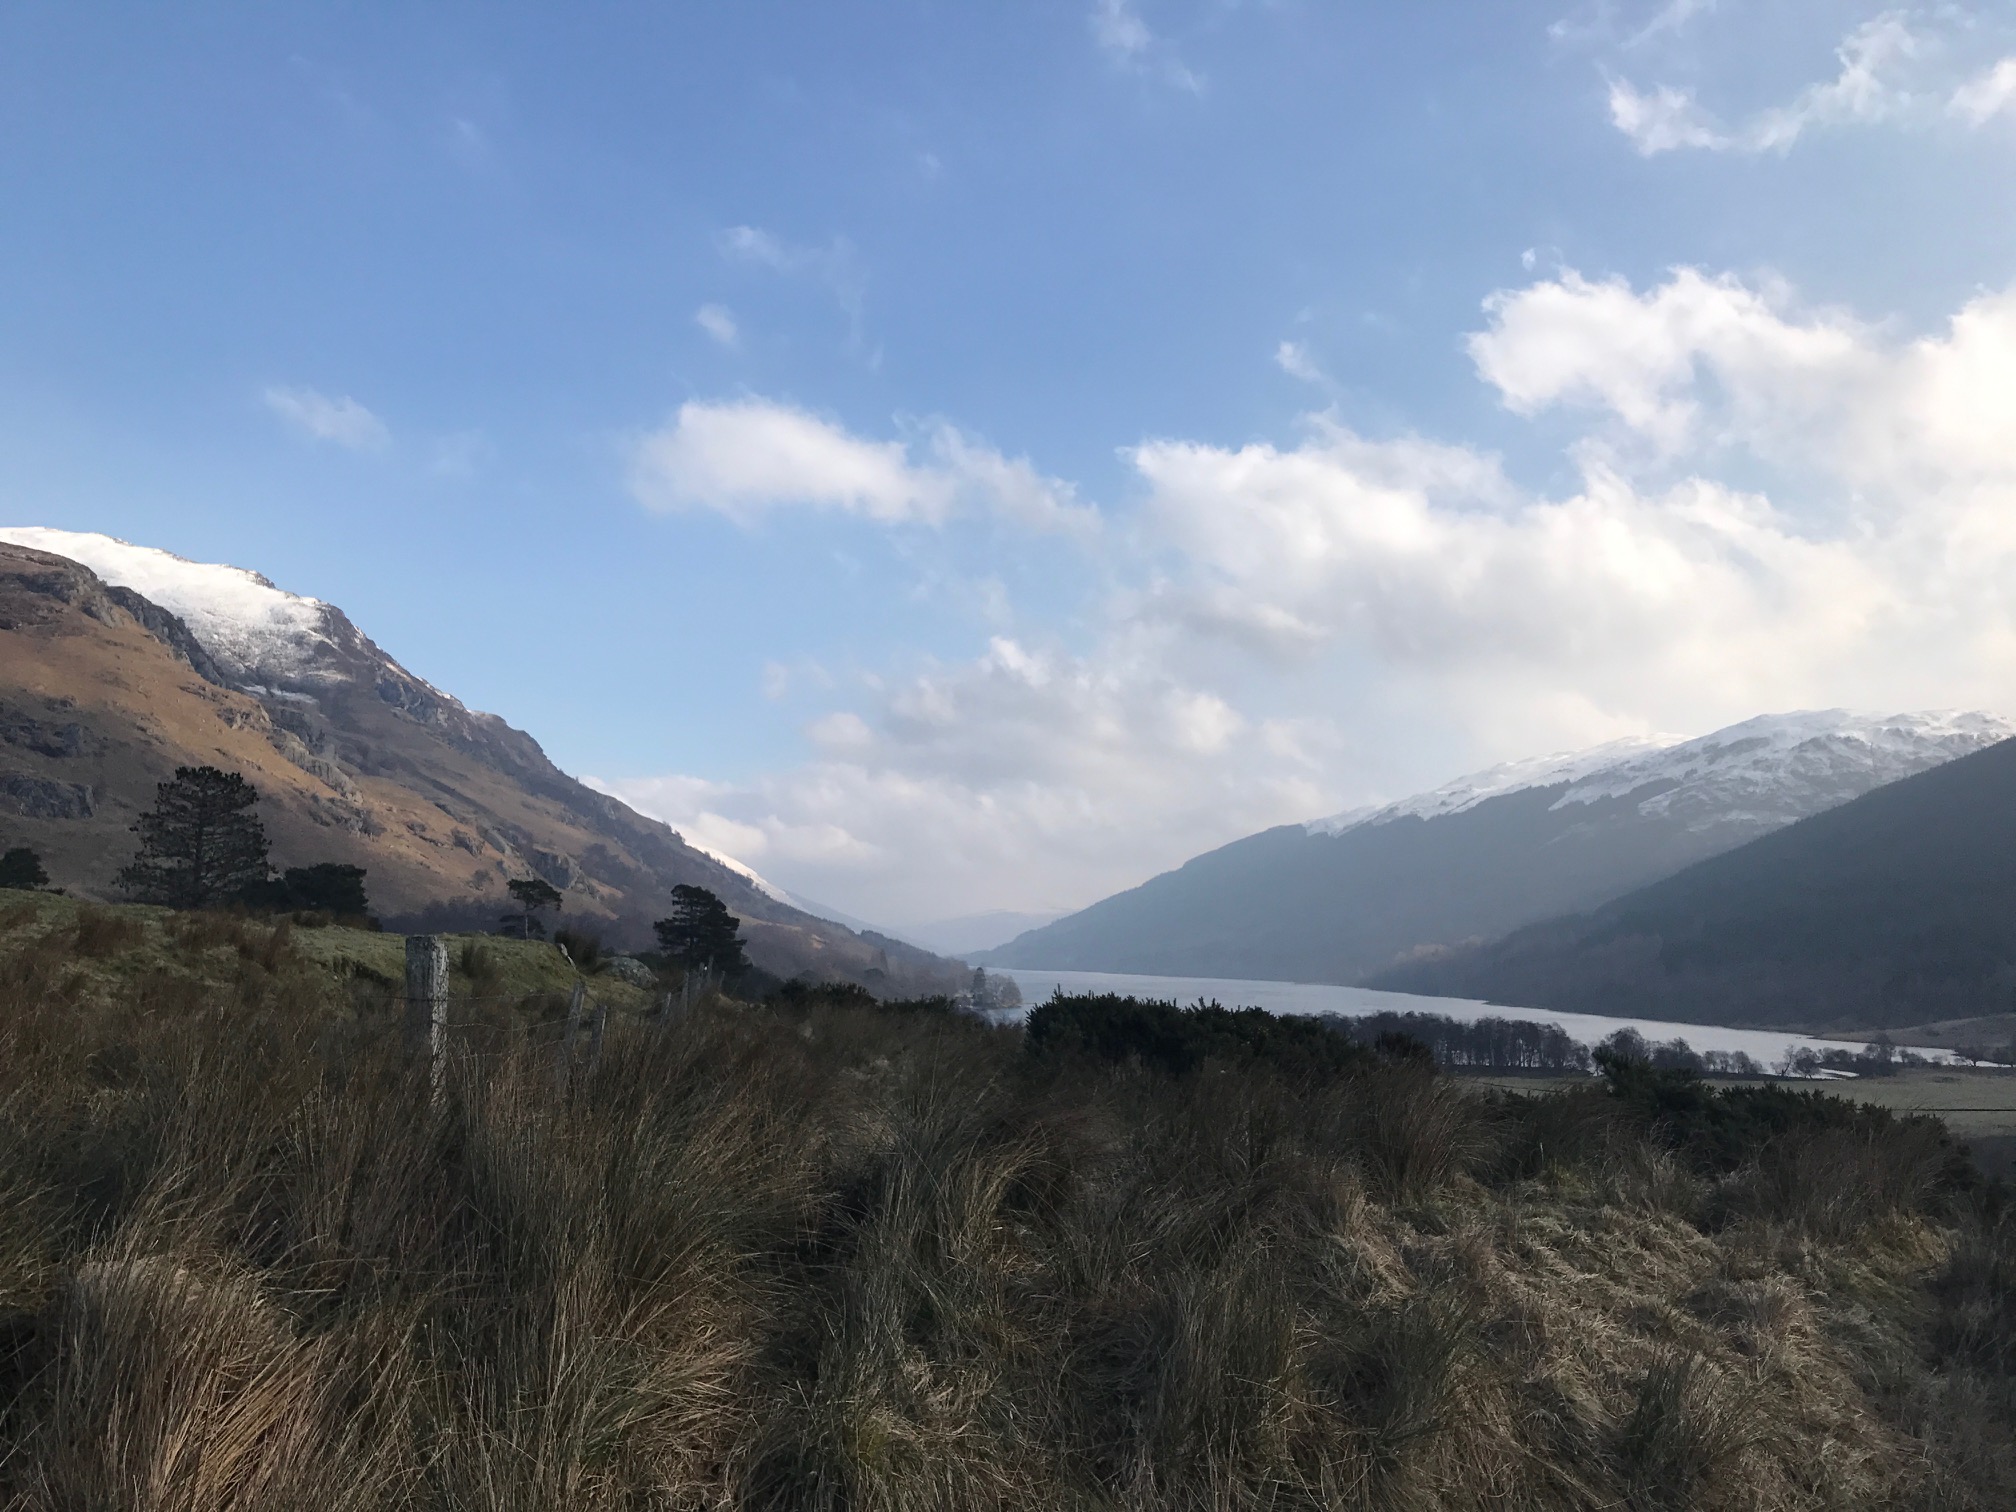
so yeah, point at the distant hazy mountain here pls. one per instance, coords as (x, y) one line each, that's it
(971, 933)
(119, 662)
(1897, 908)
(1343, 898)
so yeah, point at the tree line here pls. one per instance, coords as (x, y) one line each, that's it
(203, 845)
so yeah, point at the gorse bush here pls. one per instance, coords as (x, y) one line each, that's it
(833, 1255)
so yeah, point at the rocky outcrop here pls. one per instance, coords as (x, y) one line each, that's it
(42, 798)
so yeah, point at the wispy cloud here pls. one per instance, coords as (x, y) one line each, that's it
(835, 265)
(1663, 120)
(1890, 71)
(748, 458)
(719, 323)
(319, 417)
(1122, 34)
(1670, 19)
(1293, 358)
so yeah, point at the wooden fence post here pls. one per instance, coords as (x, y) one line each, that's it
(566, 1060)
(595, 1035)
(427, 1005)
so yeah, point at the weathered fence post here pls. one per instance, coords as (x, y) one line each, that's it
(427, 1005)
(566, 1060)
(595, 1036)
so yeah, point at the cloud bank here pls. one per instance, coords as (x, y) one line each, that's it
(1398, 589)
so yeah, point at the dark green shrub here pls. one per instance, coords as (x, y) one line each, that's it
(803, 994)
(583, 949)
(1161, 1036)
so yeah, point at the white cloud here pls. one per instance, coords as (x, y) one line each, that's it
(1865, 90)
(1987, 95)
(1024, 768)
(1711, 364)
(320, 418)
(1293, 358)
(719, 323)
(745, 458)
(1599, 344)
(1437, 614)
(755, 245)
(1122, 34)
(1662, 121)
(1873, 84)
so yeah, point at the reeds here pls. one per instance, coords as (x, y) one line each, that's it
(833, 1257)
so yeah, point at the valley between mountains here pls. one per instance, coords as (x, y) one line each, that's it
(1824, 870)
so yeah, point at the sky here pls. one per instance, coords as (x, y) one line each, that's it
(959, 457)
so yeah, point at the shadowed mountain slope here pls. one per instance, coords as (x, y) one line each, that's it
(1340, 899)
(1898, 908)
(105, 690)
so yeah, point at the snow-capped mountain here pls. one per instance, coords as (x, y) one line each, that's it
(1760, 774)
(1341, 898)
(120, 662)
(258, 634)
(1895, 910)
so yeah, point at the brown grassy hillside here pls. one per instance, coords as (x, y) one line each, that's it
(864, 1259)
(103, 695)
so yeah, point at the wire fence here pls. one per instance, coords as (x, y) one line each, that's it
(430, 1017)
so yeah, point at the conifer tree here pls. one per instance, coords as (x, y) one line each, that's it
(702, 935)
(532, 894)
(202, 845)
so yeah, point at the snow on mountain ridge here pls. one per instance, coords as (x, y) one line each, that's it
(254, 630)
(1467, 791)
(1758, 774)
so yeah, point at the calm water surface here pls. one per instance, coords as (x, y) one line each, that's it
(1766, 1046)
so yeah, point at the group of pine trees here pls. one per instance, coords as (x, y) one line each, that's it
(202, 845)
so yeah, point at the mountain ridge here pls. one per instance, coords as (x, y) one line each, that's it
(1338, 900)
(358, 759)
(1896, 908)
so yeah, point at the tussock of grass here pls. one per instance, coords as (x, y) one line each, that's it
(831, 1256)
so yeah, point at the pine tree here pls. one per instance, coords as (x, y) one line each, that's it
(21, 868)
(202, 845)
(702, 935)
(532, 894)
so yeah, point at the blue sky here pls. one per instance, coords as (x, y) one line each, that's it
(958, 457)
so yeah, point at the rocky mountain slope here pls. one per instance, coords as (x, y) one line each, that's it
(118, 663)
(1898, 908)
(1342, 898)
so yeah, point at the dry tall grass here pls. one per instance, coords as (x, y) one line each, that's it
(841, 1258)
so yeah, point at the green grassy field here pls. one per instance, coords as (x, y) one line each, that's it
(1977, 1103)
(105, 951)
